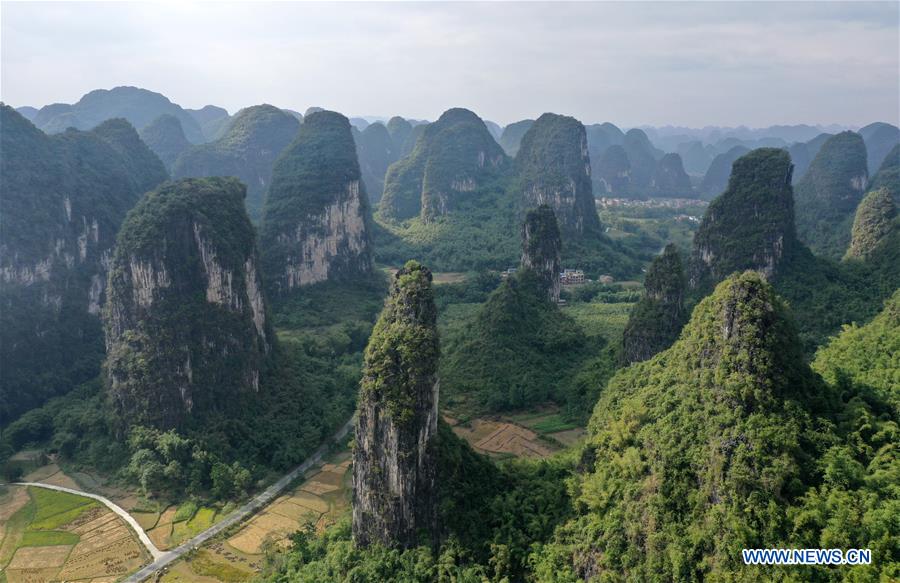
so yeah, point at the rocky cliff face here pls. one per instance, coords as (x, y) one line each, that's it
(656, 320)
(186, 325)
(394, 454)
(876, 219)
(828, 193)
(64, 197)
(452, 162)
(316, 219)
(541, 246)
(248, 150)
(165, 137)
(554, 169)
(751, 224)
(670, 180)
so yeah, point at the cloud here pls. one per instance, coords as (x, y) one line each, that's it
(633, 63)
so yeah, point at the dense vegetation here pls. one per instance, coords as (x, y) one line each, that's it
(64, 197)
(876, 218)
(166, 138)
(827, 195)
(139, 106)
(517, 350)
(656, 320)
(316, 216)
(729, 441)
(185, 320)
(248, 149)
(728, 240)
(452, 162)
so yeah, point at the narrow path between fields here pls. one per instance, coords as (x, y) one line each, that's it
(155, 552)
(251, 507)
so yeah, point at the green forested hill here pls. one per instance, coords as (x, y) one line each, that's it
(165, 137)
(248, 150)
(186, 322)
(729, 441)
(63, 199)
(453, 163)
(139, 106)
(827, 195)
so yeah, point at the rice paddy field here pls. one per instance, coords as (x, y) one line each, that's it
(47, 535)
(318, 500)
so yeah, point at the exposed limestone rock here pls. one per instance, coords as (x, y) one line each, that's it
(186, 326)
(394, 454)
(316, 219)
(63, 199)
(248, 149)
(554, 168)
(541, 246)
(751, 225)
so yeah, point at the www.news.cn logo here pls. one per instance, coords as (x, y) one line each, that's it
(807, 557)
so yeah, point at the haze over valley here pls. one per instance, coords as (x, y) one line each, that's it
(464, 292)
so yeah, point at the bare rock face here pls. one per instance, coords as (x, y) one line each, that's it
(656, 320)
(554, 168)
(541, 245)
(186, 325)
(751, 224)
(394, 456)
(63, 200)
(316, 219)
(453, 160)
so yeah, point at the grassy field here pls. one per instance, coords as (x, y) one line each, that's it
(318, 500)
(600, 319)
(56, 536)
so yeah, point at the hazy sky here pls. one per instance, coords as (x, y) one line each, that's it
(677, 63)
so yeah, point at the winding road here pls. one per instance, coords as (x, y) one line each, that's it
(163, 558)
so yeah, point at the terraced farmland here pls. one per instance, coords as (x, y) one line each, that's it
(318, 501)
(47, 535)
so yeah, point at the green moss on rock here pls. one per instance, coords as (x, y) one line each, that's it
(453, 160)
(186, 322)
(316, 218)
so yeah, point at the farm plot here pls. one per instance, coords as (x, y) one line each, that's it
(322, 498)
(56, 536)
